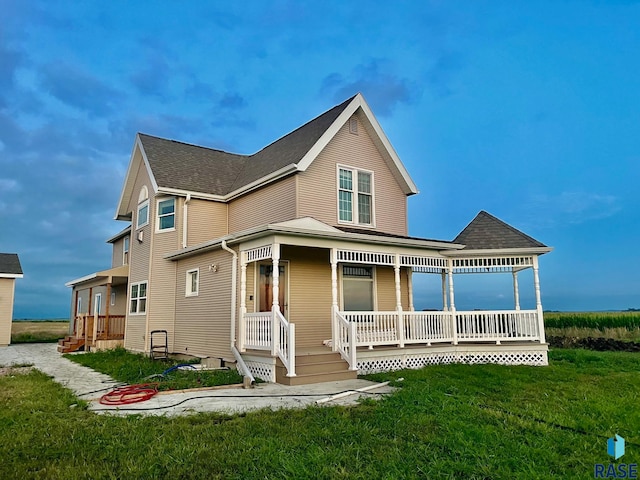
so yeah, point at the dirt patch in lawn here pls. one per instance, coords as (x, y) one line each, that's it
(9, 371)
(594, 343)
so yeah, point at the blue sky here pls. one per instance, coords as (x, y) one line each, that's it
(529, 110)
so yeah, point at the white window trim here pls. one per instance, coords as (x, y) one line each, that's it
(354, 199)
(79, 305)
(141, 205)
(138, 312)
(127, 251)
(157, 216)
(188, 292)
(113, 299)
(97, 304)
(341, 284)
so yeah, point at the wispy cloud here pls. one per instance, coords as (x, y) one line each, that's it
(571, 208)
(376, 80)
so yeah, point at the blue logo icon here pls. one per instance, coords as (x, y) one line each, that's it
(615, 447)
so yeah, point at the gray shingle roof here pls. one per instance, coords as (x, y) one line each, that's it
(10, 263)
(376, 233)
(488, 232)
(206, 170)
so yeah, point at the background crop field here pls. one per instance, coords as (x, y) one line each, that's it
(24, 331)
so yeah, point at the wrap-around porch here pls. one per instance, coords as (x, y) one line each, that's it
(371, 340)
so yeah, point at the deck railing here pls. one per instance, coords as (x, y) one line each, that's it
(400, 328)
(100, 327)
(271, 332)
(346, 339)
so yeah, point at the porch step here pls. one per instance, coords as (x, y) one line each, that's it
(316, 367)
(70, 344)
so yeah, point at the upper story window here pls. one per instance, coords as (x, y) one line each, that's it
(166, 214)
(355, 196)
(125, 251)
(142, 218)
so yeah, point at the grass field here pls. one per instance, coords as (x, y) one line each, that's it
(447, 421)
(24, 331)
(629, 320)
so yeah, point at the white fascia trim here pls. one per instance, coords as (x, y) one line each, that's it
(274, 229)
(357, 102)
(120, 215)
(184, 193)
(81, 280)
(283, 172)
(11, 275)
(498, 251)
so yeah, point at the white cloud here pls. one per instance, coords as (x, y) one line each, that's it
(9, 185)
(571, 207)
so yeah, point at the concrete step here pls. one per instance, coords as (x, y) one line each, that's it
(317, 377)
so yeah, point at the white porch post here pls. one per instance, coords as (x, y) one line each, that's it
(516, 291)
(410, 287)
(243, 301)
(334, 298)
(444, 291)
(536, 283)
(452, 303)
(400, 324)
(275, 290)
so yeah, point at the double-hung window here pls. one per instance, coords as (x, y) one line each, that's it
(193, 281)
(357, 288)
(138, 303)
(166, 214)
(355, 196)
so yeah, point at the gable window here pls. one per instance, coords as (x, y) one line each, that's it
(357, 288)
(355, 196)
(166, 214)
(125, 251)
(138, 303)
(193, 282)
(143, 214)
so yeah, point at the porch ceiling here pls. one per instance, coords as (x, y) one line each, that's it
(116, 276)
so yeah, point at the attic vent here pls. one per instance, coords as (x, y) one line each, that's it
(353, 125)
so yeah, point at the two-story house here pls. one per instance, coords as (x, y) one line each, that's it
(295, 262)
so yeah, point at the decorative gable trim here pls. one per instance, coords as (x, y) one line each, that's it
(358, 102)
(127, 189)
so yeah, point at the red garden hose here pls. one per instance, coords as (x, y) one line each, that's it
(130, 394)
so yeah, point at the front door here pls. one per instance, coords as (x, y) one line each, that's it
(265, 288)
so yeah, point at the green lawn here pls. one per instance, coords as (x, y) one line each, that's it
(448, 421)
(134, 368)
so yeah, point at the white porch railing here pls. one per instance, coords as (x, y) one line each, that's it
(271, 332)
(400, 328)
(346, 340)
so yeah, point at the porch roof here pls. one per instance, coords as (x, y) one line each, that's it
(310, 227)
(109, 275)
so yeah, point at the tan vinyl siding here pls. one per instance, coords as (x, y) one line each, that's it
(116, 259)
(206, 220)
(139, 254)
(309, 294)
(317, 186)
(161, 295)
(120, 308)
(386, 289)
(270, 204)
(203, 322)
(6, 309)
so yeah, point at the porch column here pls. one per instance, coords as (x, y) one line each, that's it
(516, 291)
(536, 284)
(444, 290)
(400, 325)
(275, 289)
(75, 313)
(410, 287)
(452, 303)
(334, 298)
(106, 310)
(243, 300)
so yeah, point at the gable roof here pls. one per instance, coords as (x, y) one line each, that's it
(10, 265)
(181, 168)
(488, 232)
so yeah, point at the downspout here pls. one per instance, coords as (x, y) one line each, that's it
(184, 220)
(234, 281)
